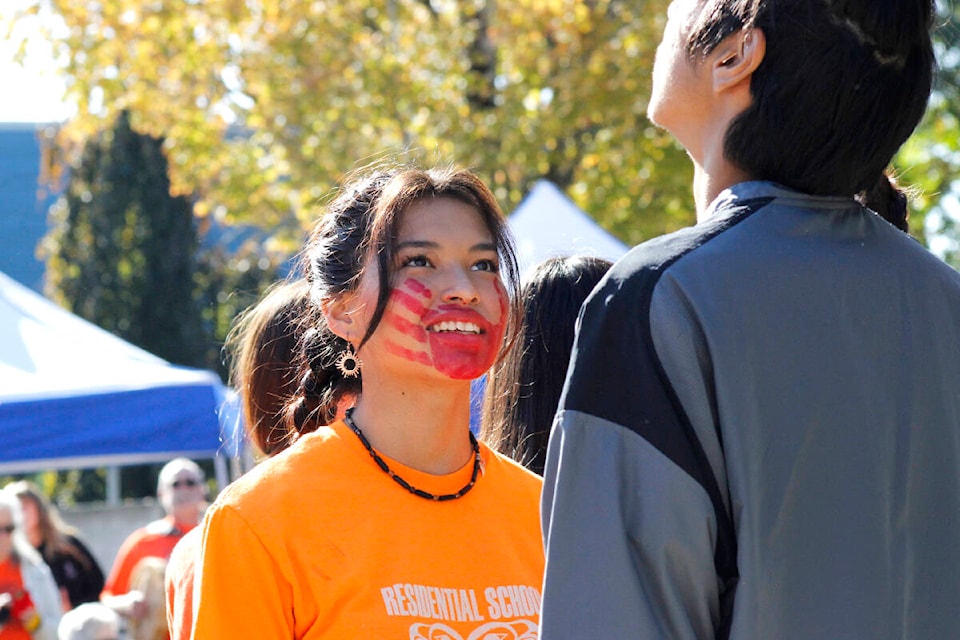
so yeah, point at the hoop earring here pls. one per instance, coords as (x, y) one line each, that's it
(348, 363)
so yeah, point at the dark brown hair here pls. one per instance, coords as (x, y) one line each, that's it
(842, 85)
(523, 389)
(265, 340)
(361, 223)
(54, 532)
(888, 200)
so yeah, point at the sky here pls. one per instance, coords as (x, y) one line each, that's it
(31, 94)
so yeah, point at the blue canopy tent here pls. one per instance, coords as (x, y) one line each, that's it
(73, 395)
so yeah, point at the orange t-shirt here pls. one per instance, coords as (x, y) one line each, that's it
(11, 581)
(156, 540)
(318, 542)
(178, 584)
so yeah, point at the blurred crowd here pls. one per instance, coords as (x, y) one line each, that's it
(53, 588)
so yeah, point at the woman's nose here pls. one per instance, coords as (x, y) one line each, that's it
(461, 288)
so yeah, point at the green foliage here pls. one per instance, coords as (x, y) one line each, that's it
(124, 254)
(121, 250)
(66, 487)
(265, 105)
(226, 284)
(930, 160)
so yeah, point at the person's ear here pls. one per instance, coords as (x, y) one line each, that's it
(342, 316)
(737, 57)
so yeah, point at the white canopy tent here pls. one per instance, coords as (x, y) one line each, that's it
(73, 395)
(548, 224)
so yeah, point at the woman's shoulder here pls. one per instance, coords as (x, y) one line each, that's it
(304, 467)
(512, 473)
(184, 553)
(77, 543)
(34, 568)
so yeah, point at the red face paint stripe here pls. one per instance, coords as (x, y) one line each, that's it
(411, 355)
(417, 287)
(407, 301)
(405, 326)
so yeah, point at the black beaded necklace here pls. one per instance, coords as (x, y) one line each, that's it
(348, 418)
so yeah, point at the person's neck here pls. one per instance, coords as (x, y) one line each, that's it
(712, 171)
(186, 519)
(425, 427)
(711, 177)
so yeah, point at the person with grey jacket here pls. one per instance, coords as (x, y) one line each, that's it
(759, 435)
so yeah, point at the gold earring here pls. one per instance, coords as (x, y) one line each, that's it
(349, 364)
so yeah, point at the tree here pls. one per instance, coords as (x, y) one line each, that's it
(264, 105)
(121, 254)
(121, 250)
(930, 160)
(125, 254)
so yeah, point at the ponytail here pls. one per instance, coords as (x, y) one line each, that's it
(888, 200)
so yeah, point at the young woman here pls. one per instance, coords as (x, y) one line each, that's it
(29, 601)
(76, 571)
(264, 342)
(392, 522)
(524, 389)
(266, 339)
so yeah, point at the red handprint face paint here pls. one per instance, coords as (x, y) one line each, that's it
(457, 341)
(448, 307)
(463, 344)
(404, 312)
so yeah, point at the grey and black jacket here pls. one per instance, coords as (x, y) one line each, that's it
(759, 437)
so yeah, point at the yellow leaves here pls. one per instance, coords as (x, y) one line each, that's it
(518, 89)
(201, 209)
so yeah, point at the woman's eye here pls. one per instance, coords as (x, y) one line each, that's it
(415, 261)
(487, 265)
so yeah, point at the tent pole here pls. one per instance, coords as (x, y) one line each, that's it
(113, 486)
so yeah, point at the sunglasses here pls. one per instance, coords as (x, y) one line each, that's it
(8, 529)
(186, 482)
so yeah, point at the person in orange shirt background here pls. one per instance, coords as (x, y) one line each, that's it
(182, 492)
(264, 342)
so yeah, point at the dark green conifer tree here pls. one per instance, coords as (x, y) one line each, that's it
(122, 251)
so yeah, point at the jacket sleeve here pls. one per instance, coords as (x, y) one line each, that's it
(637, 534)
(39, 583)
(91, 580)
(239, 589)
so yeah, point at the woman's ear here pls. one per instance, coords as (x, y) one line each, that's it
(341, 316)
(735, 60)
